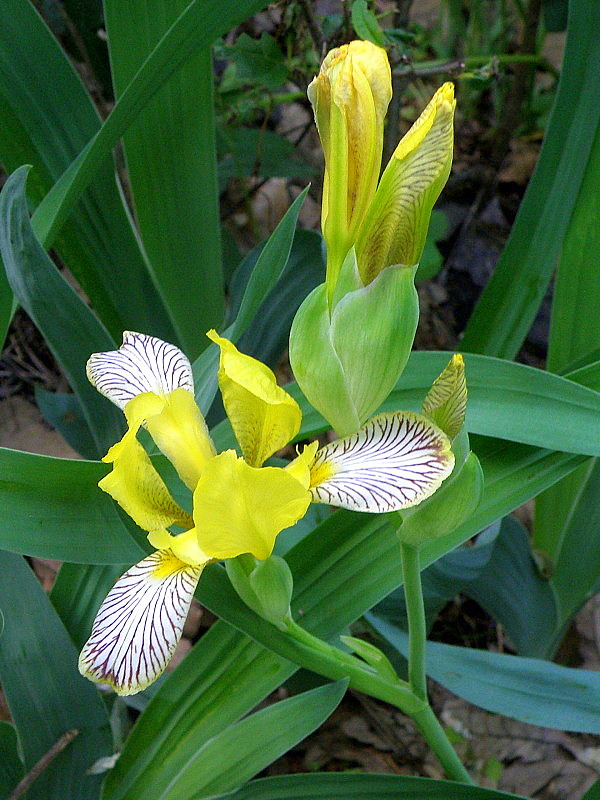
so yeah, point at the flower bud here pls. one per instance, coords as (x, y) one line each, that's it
(395, 226)
(265, 586)
(347, 362)
(350, 96)
(446, 401)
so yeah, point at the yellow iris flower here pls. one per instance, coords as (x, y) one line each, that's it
(239, 505)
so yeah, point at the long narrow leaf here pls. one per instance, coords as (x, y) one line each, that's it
(196, 27)
(357, 786)
(46, 123)
(171, 160)
(238, 753)
(53, 508)
(46, 694)
(510, 301)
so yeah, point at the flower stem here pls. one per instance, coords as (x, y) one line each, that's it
(417, 631)
(334, 663)
(431, 729)
(417, 677)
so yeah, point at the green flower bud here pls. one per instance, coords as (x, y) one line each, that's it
(347, 362)
(265, 586)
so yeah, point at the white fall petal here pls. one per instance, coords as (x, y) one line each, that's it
(393, 462)
(142, 364)
(139, 624)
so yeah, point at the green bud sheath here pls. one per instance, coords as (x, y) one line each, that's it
(273, 584)
(347, 363)
(455, 500)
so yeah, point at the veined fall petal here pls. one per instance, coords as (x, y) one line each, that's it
(142, 364)
(139, 624)
(393, 462)
(241, 509)
(263, 416)
(395, 227)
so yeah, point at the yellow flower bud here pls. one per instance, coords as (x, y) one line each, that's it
(395, 227)
(350, 96)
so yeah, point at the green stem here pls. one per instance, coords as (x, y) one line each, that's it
(431, 729)
(417, 676)
(417, 630)
(334, 663)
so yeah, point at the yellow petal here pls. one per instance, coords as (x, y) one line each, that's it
(178, 429)
(138, 488)
(240, 509)
(395, 227)
(263, 416)
(446, 401)
(184, 546)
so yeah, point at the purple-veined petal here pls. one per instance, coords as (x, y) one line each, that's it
(142, 364)
(139, 624)
(394, 461)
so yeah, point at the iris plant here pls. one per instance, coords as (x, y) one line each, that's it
(393, 462)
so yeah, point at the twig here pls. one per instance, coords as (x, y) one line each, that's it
(35, 772)
(313, 25)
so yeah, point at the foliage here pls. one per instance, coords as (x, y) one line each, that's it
(160, 270)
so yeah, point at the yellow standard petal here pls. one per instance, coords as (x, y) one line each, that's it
(263, 416)
(446, 401)
(240, 509)
(140, 622)
(138, 488)
(175, 423)
(395, 227)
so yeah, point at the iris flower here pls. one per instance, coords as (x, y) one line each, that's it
(394, 461)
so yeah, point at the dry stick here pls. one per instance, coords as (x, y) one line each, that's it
(35, 772)
(313, 25)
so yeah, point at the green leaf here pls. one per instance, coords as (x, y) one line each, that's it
(170, 152)
(45, 692)
(46, 123)
(573, 333)
(196, 27)
(193, 705)
(239, 752)
(11, 766)
(269, 265)
(511, 300)
(77, 593)
(245, 152)
(365, 23)
(357, 786)
(593, 793)
(267, 337)
(532, 691)
(507, 400)
(53, 508)
(259, 61)
(64, 413)
(70, 329)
